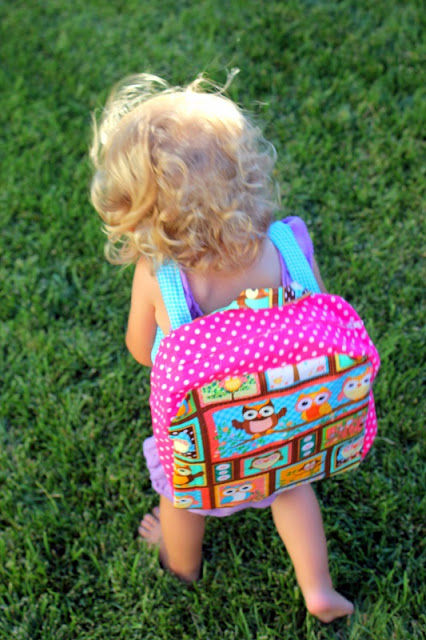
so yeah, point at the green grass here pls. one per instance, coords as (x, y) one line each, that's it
(338, 87)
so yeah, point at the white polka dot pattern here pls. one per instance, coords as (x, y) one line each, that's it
(310, 327)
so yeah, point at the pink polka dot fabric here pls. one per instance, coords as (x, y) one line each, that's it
(241, 341)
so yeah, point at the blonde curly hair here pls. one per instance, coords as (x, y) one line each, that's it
(181, 174)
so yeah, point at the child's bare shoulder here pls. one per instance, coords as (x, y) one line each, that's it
(146, 292)
(143, 278)
(145, 283)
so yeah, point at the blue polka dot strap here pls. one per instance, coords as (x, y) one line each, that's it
(298, 266)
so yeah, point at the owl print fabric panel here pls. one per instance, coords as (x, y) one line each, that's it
(271, 392)
(299, 430)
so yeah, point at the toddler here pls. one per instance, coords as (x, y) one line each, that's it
(182, 177)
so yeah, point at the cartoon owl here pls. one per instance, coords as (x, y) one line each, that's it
(183, 476)
(185, 502)
(236, 494)
(251, 294)
(309, 468)
(315, 404)
(266, 462)
(182, 443)
(356, 387)
(259, 418)
(351, 450)
(302, 470)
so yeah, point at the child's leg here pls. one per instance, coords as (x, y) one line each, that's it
(298, 520)
(181, 542)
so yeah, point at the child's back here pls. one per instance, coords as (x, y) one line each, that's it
(213, 291)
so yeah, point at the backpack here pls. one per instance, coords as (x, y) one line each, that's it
(268, 393)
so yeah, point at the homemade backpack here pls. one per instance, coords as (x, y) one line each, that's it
(270, 392)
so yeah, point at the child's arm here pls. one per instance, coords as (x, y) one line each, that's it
(142, 326)
(318, 276)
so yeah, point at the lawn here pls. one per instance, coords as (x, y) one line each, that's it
(339, 90)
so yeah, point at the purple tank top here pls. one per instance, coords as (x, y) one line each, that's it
(303, 238)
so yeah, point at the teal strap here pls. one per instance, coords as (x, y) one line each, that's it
(298, 266)
(171, 286)
(168, 277)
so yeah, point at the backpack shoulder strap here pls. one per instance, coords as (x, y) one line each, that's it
(294, 258)
(170, 281)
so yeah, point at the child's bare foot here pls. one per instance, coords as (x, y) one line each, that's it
(150, 528)
(327, 604)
